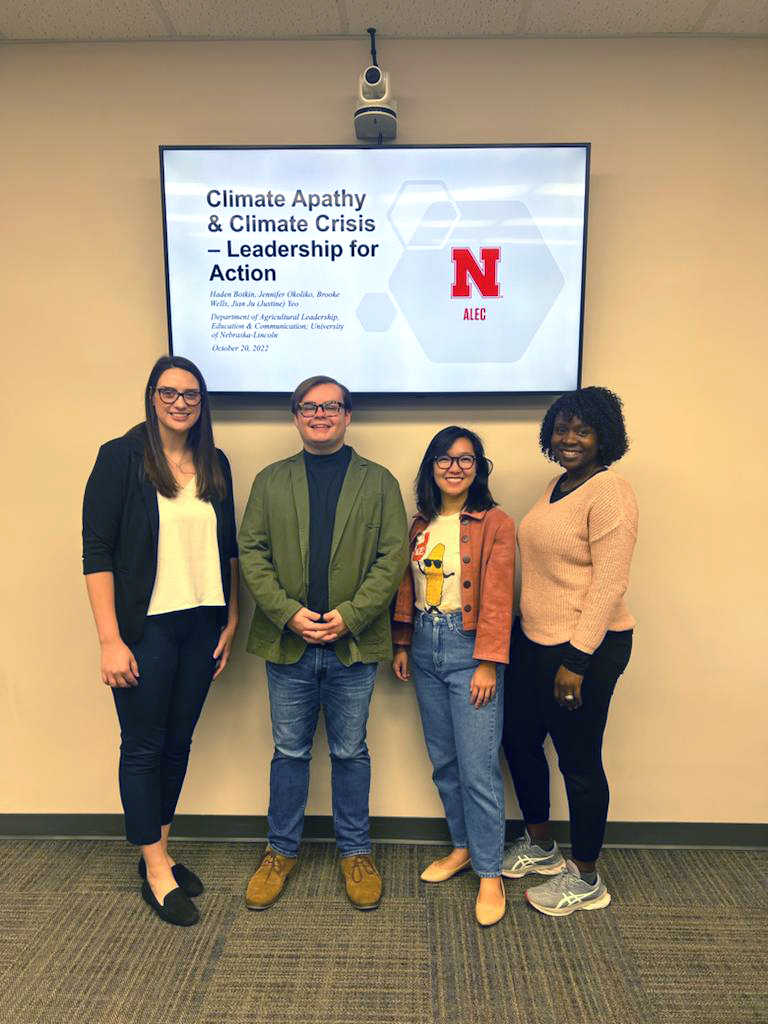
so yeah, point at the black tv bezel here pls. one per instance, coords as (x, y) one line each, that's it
(586, 146)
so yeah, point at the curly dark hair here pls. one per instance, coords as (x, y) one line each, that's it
(598, 408)
(428, 496)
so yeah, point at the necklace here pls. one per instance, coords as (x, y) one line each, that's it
(180, 465)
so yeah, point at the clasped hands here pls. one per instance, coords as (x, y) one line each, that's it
(314, 628)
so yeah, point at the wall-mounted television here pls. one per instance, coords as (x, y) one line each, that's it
(398, 269)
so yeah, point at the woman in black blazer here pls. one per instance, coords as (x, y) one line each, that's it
(160, 561)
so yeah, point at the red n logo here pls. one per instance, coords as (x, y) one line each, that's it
(486, 277)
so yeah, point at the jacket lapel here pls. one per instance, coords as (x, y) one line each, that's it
(301, 501)
(150, 498)
(350, 489)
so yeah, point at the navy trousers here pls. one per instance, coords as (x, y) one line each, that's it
(158, 717)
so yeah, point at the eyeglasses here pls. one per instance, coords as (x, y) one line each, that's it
(429, 562)
(169, 395)
(310, 409)
(465, 462)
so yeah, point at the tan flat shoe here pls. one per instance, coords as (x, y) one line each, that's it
(488, 914)
(438, 872)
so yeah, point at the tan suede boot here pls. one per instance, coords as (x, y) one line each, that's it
(268, 881)
(362, 881)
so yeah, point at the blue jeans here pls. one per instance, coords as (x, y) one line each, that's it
(296, 694)
(462, 740)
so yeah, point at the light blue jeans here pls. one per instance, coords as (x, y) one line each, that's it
(462, 740)
(296, 694)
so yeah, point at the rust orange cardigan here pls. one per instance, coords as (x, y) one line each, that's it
(487, 546)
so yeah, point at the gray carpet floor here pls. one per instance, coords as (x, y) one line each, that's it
(683, 941)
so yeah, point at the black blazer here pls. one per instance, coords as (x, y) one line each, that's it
(121, 524)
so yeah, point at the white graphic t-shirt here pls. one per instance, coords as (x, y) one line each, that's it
(436, 566)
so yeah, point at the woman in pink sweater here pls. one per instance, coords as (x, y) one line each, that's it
(572, 643)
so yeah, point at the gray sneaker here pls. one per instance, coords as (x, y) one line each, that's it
(523, 858)
(567, 892)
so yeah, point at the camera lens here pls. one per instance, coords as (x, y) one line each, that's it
(372, 76)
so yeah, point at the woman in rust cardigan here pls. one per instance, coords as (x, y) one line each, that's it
(451, 631)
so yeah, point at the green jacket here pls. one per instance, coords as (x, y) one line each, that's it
(369, 553)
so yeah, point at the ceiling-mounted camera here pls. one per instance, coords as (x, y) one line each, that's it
(376, 112)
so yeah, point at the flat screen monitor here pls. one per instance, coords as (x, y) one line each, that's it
(397, 270)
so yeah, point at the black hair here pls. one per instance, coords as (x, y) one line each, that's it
(210, 479)
(311, 382)
(428, 495)
(596, 407)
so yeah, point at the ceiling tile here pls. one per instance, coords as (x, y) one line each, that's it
(612, 17)
(246, 19)
(420, 19)
(742, 17)
(81, 19)
(307, 19)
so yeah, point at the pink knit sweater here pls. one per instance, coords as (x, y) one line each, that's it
(575, 557)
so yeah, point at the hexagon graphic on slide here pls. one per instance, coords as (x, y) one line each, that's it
(376, 311)
(423, 214)
(529, 277)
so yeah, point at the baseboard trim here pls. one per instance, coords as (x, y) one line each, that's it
(247, 827)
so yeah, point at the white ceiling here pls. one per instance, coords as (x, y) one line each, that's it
(92, 20)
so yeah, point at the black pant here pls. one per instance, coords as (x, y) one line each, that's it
(531, 711)
(158, 717)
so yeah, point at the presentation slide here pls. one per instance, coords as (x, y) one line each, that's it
(396, 270)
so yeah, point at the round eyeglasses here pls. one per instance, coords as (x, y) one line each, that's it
(169, 395)
(465, 462)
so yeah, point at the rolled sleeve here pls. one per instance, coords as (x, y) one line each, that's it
(103, 504)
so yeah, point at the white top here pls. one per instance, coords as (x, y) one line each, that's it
(188, 567)
(436, 566)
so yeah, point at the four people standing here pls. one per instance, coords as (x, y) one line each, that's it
(323, 547)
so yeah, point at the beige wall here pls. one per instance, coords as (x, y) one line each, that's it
(675, 322)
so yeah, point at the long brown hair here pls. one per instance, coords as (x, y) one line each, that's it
(210, 479)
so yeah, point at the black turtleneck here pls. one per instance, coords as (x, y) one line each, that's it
(325, 476)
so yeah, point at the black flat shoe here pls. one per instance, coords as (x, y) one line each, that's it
(176, 908)
(186, 880)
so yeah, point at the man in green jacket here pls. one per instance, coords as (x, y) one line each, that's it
(323, 548)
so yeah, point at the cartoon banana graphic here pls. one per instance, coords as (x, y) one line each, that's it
(435, 574)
